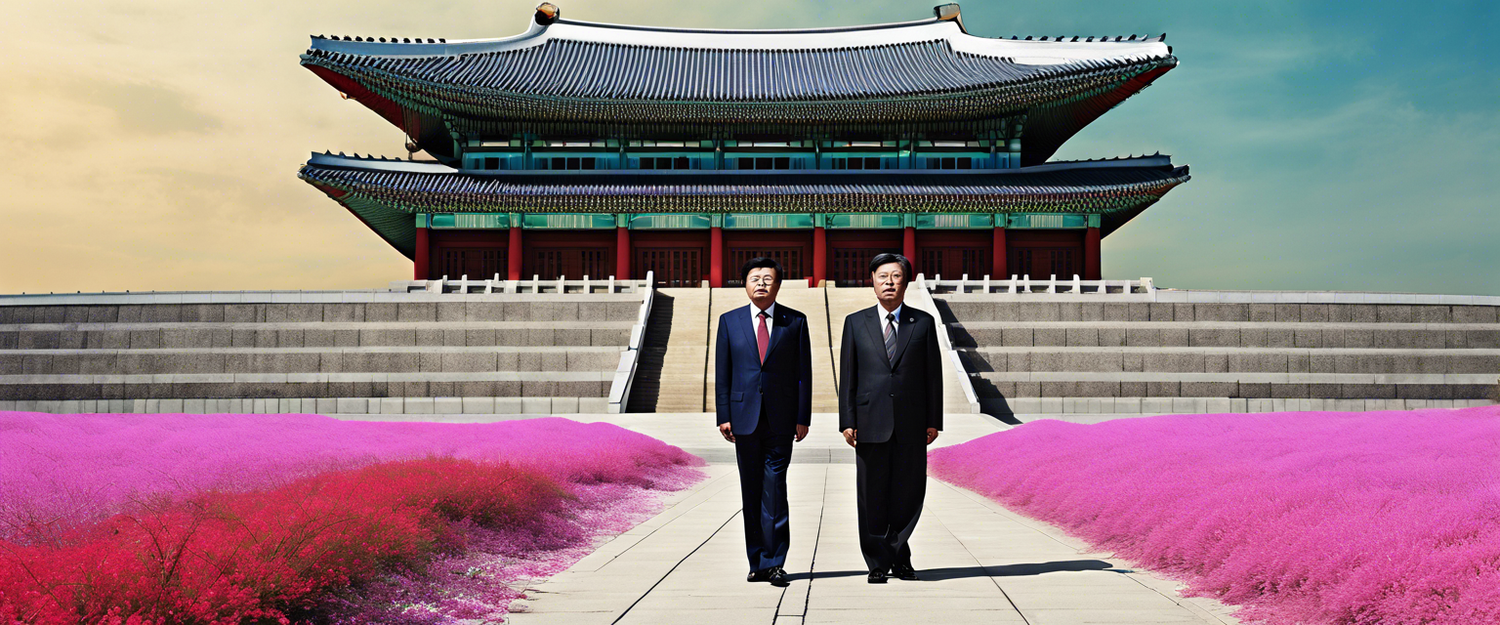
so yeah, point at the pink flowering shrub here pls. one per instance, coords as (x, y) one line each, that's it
(236, 518)
(1315, 517)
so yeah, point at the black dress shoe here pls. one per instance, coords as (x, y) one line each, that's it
(903, 570)
(877, 577)
(777, 577)
(758, 576)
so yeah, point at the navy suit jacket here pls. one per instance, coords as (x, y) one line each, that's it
(877, 394)
(781, 388)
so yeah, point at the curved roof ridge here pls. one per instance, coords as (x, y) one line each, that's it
(753, 31)
(1044, 51)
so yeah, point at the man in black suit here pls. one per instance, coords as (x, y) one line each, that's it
(763, 396)
(890, 409)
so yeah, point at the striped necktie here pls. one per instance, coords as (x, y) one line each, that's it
(890, 336)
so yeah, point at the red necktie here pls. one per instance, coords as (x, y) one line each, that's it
(762, 337)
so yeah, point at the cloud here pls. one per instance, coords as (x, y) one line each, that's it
(155, 145)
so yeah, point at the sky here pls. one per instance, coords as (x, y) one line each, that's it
(1334, 146)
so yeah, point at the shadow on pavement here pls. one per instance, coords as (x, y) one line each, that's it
(1005, 570)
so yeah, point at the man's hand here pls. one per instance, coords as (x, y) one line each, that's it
(851, 436)
(931, 435)
(727, 430)
(801, 432)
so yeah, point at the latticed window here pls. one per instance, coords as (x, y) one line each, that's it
(573, 163)
(950, 162)
(668, 162)
(763, 162)
(856, 162)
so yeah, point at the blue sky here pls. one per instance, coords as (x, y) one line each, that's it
(1334, 146)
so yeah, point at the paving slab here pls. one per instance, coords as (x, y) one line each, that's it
(979, 562)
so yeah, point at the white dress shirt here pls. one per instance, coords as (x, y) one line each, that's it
(755, 319)
(886, 323)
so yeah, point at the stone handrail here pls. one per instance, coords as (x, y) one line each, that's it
(535, 285)
(953, 366)
(619, 388)
(1025, 284)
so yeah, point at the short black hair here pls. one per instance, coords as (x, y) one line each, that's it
(888, 258)
(758, 262)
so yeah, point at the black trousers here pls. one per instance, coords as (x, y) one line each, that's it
(892, 484)
(763, 458)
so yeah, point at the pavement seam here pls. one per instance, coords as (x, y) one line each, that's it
(982, 565)
(674, 568)
(1131, 573)
(1002, 511)
(812, 562)
(668, 522)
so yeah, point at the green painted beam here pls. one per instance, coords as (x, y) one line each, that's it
(1047, 221)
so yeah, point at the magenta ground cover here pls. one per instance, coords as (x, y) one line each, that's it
(74, 468)
(1311, 517)
(63, 472)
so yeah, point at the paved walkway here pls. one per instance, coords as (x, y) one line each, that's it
(978, 561)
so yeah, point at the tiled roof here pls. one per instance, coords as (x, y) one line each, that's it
(1117, 189)
(927, 75)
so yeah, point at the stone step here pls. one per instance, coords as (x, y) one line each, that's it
(1244, 384)
(278, 385)
(446, 405)
(1231, 359)
(684, 358)
(976, 307)
(1206, 405)
(156, 336)
(843, 302)
(1223, 334)
(499, 307)
(299, 360)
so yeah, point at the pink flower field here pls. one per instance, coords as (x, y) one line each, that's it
(301, 518)
(1312, 517)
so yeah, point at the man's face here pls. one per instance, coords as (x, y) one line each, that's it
(761, 285)
(890, 284)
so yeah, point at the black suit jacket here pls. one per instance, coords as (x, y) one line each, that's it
(877, 394)
(781, 388)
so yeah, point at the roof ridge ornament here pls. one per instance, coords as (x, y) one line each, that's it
(547, 13)
(950, 12)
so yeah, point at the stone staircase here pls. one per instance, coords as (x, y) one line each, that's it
(1054, 354)
(322, 352)
(684, 353)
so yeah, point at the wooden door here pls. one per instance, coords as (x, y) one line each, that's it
(569, 263)
(952, 263)
(789, 257)
(1042, 263)
(850, 266)
(671, 266)
(479, 263)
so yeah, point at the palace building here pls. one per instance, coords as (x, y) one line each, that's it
(579, 148)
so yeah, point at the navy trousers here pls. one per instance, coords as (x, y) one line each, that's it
(763, 458)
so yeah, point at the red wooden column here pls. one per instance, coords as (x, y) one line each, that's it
(999, 265)
(419, 263)
(513, 250)
(716, 257)
(820, 256)
(909, 249)
(1091, 265)
(622, 253)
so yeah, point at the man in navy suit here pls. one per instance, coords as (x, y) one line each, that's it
(763, 395)
(890, 410)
